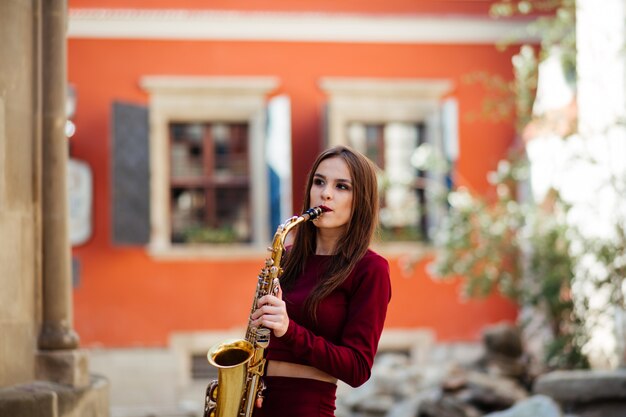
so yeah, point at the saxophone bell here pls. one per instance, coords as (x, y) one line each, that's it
(231, 360)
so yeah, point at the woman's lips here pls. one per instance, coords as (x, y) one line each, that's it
(325, 209)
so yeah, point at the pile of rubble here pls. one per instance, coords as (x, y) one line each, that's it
(488, 379)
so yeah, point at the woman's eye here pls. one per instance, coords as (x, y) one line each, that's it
(318, 181)
(342, 186)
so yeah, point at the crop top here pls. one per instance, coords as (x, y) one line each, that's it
(350, 320)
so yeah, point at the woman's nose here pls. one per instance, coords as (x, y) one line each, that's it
(326, 193)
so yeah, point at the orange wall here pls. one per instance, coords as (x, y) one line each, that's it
(125, 298)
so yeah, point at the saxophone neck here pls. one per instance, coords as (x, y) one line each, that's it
(278, 244)
(284, 229)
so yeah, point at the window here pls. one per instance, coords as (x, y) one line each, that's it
(403, 198)
(209, 183)
(208, 173)
(388, 120)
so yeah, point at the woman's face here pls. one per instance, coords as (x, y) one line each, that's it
(332, 187)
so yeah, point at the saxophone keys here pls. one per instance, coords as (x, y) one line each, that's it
(262, 337)
(211, 391)
(259, 394)
(210, 400)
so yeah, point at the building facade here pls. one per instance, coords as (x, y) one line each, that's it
(195, 128)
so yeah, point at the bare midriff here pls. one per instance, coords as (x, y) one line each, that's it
(294, 370)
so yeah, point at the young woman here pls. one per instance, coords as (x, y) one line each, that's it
(330, 310)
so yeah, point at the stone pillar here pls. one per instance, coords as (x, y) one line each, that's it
(58, 359)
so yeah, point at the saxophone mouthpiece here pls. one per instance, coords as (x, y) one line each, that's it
(314, 212)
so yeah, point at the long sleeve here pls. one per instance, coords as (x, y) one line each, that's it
(350, 359)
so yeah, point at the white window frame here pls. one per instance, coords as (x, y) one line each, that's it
(383, 101)
(193, 99)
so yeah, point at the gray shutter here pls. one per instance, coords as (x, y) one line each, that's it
(130, 175)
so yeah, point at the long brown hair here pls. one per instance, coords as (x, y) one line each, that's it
(357, 236)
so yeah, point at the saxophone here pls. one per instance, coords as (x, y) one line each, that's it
(240, 362)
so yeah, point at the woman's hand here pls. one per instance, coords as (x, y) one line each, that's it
(272, 313)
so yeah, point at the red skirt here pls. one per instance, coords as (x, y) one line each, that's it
(301, 397)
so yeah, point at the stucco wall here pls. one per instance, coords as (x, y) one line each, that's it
(125, 297)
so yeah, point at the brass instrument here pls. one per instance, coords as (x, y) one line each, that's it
(241, 363)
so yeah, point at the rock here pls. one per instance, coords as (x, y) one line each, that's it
(504, 354)
(405, 408)
(493, 392)
(535, 406)
(377, 405)
(350, 398)
(448, 406)
(396, 376)
(503, 340)
(410, 407)
(603, 409)
(583, 386)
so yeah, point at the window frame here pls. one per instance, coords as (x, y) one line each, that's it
(206, 99)
(383, 101)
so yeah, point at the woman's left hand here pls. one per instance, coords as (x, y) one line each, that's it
(272, 313)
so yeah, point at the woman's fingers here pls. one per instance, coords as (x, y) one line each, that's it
(271, 300)
(266, 309)
(271, 313)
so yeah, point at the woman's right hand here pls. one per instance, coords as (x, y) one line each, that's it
(272, 313)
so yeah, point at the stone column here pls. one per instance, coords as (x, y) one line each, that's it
(58, 359)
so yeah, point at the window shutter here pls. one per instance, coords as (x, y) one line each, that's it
(324, 128)
(437, 178)
(278, 160)
(450, 133)
(443, 134)
(130, 174)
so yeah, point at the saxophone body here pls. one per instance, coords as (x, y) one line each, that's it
(241, 362)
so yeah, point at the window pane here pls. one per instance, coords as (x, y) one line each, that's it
(231, 149)
(188, 212)
(390, 146)
(369, 140)
(375, 144)
(210, 200)
(187, 150)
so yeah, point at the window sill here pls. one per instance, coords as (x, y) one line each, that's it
(195, 252)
